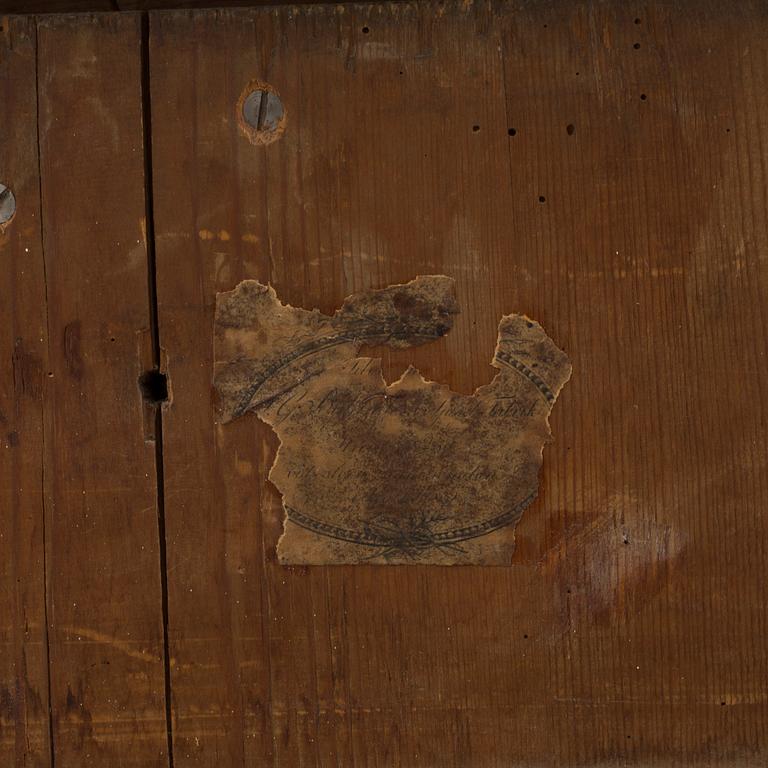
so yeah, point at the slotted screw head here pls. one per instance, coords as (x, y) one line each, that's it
(7, 204)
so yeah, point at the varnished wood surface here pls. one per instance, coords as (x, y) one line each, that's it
(83, 464)
(106, 664)
(24, 737)
(105, 6)
(600, 167)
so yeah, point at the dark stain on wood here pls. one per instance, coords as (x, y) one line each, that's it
(72, 349)
(26, 370)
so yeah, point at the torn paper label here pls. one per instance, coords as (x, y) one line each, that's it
(409, 472)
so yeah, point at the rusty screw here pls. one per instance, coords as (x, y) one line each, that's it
(7, 205)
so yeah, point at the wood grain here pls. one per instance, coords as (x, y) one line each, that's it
(23, 349)
(599, 167)
(90, 6)
(104, 599)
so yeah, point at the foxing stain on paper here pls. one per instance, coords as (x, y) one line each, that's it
(409, 472)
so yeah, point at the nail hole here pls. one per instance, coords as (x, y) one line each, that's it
(643, 97)
(366, 30)
(475, 128)
(722, 703)
(511, 132)
(260, 113)
(7, 205)
(542, 199)
(154, 386)
(525, 637)
(636, 46)
(570, 129)
(637, 21)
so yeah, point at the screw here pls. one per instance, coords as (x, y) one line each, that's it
(263, 110)
(7, 204)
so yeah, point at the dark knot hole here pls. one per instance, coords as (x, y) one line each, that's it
(154, 386)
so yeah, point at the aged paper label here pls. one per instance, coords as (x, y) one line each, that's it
(409, 472)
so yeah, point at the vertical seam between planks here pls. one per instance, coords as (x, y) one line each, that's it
(43, 479)
(146, 117)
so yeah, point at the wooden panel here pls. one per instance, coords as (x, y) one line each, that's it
(598, 167)
(217, 578)
(56, 6)
(23, 349)
(649, 246)
(104, 597)
(81, 6)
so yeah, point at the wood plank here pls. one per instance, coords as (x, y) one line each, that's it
(104, 596)
(86, 6)
(23, 348)
(648, 244)
(55, 6)
(218, 647)
(435, 138)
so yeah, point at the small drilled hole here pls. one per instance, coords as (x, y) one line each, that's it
(636, 46)
(7, 205)
(475, 128)
(366, 30)
(154, 386)
(643, 97)
(570, 129)
(511, 132)
(260, 113)
(637, 21)
(542, 199)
